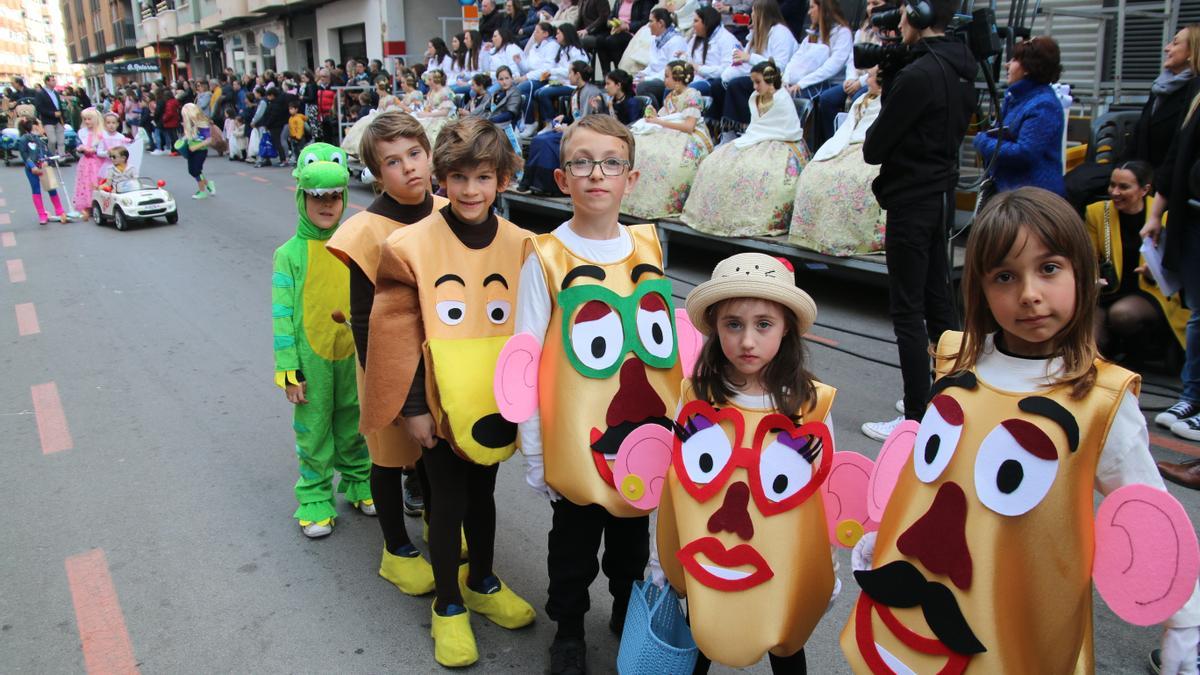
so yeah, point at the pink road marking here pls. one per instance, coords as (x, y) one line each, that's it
(291, 188)
(51, 421)
(5, 219)
(3, 201)
(242, 173)
(821, 340)
(8, 239)
(16, 270)
(27, 321)
(260, 179)
(102, 632)
(1172, 443)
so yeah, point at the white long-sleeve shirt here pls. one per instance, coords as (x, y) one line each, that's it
(559, 70)
(505, 57)
(720, 54)
(815, 62)
(539, 57)
(671, 49)
(444, 64)
(781, 44)
(853, 73)
(1125, 458)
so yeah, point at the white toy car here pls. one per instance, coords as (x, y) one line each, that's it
(130, 200)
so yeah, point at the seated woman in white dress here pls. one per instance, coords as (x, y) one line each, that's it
(670, 145)
(835, 211)
(746, 187)
(439, 105)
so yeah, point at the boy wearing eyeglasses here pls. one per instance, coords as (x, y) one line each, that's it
(593, 293)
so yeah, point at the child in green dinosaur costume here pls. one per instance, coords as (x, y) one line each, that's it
(314, 354)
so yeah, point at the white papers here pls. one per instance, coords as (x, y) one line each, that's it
(1167, 283)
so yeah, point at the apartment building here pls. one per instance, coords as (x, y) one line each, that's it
(32, 42)
(98, 32)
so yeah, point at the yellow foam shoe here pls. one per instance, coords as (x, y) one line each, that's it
(453, 640)
(503, 607)
(413, 576)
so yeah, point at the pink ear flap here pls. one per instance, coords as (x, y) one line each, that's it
(516, 382)
(1146, 560)
(690, 341)
(845, 497)
(888, 465)
(641, 467)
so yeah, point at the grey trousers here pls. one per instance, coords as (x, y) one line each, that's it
(56, 138)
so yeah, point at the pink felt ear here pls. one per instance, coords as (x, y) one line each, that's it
(641, 467)
(845, 497)
(690, 341)
(516, 382)
(888, 465)
(1146, 559)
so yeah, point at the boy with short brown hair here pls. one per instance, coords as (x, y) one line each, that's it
(594, 280)
(443, 309)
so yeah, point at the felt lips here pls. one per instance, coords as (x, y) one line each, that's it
(735, 569)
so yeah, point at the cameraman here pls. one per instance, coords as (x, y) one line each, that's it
(928, 98)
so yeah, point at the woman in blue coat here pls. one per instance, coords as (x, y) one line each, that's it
(1032, 119)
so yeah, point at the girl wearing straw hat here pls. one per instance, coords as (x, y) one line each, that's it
(741, 528)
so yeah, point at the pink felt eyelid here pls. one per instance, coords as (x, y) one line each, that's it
(515, 385)
(890, 463)
(1146, 555)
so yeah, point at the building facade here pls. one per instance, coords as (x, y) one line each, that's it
(32, 41)
(98, 32)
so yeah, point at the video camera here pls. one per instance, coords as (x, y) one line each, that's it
(978, 30)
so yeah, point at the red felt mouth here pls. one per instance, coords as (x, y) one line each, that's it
(725, 577)
(864, 633)
(602, 467)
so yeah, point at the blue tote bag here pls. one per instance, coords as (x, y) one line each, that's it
(657, 639)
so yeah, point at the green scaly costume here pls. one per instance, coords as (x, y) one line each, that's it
(308, 285)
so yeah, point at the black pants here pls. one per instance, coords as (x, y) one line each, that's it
(610, 49)
(463, 492)
(780, 665)
(574, 542)
(919, 291)
(387, 489)
(736, 105)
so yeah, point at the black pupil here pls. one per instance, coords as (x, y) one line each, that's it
(1009, 477)
(598, 346)
(455, 313)
(497, 314)
(656, 332)
(931, 448)
(780, 484)
(706, 462)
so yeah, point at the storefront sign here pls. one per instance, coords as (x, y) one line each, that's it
(132, 66)
(205, 43)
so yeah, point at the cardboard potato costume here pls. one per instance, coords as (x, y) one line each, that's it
(458, 301)
(984, 556)
(359, 240)
(742, 530)
(610, 365)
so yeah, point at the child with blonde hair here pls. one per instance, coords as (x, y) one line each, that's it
(197, 135)
(92, 153)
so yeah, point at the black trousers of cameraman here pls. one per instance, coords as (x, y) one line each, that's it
(919, 297)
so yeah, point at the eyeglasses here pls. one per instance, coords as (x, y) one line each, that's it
(582, 168)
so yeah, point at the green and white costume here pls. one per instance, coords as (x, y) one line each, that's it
(308, 285)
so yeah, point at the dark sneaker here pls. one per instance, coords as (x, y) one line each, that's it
(1188, 428)
(414, 501)
(568, 656)
(1176, 413)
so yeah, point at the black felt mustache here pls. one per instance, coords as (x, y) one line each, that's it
(901, 584)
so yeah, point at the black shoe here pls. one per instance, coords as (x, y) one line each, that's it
(414, 501)
(568, 656)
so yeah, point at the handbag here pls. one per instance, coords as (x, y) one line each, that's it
(217, 140)
(1108, 271)
(656, 638)
(266, 147)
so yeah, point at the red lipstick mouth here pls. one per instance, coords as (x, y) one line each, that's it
(724, 569)
(604, 469)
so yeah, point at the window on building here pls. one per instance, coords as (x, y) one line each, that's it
(352, 42)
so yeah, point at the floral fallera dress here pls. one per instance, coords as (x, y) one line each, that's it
(436, 100)
(667, 159)
(746, 192)
(835, 211)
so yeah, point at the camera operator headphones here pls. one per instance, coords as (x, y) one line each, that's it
(919, 13)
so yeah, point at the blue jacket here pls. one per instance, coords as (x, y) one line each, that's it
(1031, 152)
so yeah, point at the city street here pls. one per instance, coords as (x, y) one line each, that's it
(150, 459)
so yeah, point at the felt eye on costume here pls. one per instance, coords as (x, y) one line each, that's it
(1015, 467)
(706, 452)
(941, 429)
(498, 311)
(452, 312)
(602, 326)
(597, 336)
(654, 326)
(783, 469)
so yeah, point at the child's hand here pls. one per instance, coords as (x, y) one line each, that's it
(422, 429)
(295, 394)
(37, 171)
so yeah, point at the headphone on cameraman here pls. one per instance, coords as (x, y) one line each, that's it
(919, 13)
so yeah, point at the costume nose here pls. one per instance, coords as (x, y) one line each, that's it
(734, 516)
(636, 400)
(938, 540)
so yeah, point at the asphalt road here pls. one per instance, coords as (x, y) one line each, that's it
(149, 527)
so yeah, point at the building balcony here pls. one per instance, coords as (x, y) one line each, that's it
(228, 11)
(168, 25)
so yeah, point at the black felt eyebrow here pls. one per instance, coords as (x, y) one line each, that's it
(583, 271)
(644, 268)
(965, 380)
(495, 277)
(1053, 411)
(448, 277)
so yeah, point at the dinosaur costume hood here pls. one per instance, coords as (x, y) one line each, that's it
(320, 169)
